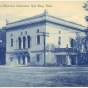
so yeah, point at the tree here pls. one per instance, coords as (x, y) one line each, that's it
(2, 46)
(50, 55)
(79, 45)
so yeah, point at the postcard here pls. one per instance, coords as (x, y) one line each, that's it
(43, 44)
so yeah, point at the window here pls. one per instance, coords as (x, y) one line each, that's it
(11, 35)
(25, 32)
(38, 57)
(24, 42)
(19, 43)
(37, 31)
(28, 41)
(11, 43)
(38, 39)
(59, 41)
(59, 32)
(71, 42)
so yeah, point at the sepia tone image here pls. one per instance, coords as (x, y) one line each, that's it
(44, 44)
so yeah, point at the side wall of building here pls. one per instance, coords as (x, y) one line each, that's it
(55, 32)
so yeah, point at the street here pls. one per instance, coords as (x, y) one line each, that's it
(43, 76)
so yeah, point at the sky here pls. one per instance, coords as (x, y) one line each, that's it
(68, 10)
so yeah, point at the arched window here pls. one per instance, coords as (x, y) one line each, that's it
(21, 33)
(25, 32)
(28, 41)
(38, 39)
(19, 43)
(11, 42)
(24, 42)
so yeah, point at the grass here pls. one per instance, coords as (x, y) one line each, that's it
(43, 76)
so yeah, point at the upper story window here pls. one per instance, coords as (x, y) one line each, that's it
(71, 42)
(25, 32)
(38, 57)
(28, 41)
(21, 33)
(11, 42)
(59, 41)
(24, 42)
(19, 42)
(38, 39)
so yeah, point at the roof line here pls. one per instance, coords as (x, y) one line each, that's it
(41, 15)
(35, 16)
(66, 20)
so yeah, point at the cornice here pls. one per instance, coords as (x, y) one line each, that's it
(64, 22)
(47, 18)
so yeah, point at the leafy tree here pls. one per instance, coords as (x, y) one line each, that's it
(79, 45)
(2, 46)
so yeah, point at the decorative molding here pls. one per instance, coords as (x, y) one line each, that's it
(22, 27)
(48, 18)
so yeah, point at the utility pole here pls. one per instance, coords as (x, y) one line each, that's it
(44, 34)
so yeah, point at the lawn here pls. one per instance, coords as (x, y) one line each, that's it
(43, 76)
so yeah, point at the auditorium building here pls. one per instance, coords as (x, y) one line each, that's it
(41, 40)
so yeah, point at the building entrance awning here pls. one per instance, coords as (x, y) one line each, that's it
(64, 53)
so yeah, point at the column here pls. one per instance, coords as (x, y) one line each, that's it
(17, 61)
(21, 61)
(68, 62)
(21, 43)
(26, 43)
(16, 44)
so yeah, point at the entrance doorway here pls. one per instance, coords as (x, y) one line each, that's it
(28, 59)
(73, 60)
(19, 60)
(23, 60)
(61, 60)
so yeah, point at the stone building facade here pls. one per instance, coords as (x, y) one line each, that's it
(41, 40)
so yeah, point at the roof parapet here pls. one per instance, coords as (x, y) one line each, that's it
(45, 12)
